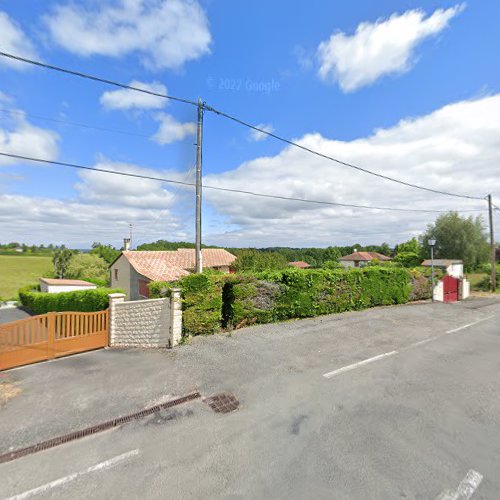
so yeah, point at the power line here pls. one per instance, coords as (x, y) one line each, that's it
(74, 124)
(95, 78)
(241, 122)
(336, 160)
(229, 190)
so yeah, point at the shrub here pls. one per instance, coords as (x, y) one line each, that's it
(79, 301)
(421, 286)
(408, 259)
(201, 301)
(248, 300)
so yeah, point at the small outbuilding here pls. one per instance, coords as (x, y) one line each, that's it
(52, 285)
(451, 267)
(361, 259)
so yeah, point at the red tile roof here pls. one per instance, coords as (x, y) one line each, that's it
(300, 264)
(365, 256)
(170, 265)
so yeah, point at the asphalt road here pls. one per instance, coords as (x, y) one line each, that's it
(388, 403)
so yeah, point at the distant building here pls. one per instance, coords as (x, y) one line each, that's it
(360, 259)
(451, 267)
(133, 270)
(51, 285)
(300, 264)
(19, 249)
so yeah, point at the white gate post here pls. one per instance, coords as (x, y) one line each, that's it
(114, 298)
(175, 317)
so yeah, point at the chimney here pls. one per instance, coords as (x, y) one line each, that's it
(126, 244)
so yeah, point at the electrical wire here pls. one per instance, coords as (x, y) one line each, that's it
(229, 190)
(241, 122)
(94, 78)
(74, 124)
(336, 160)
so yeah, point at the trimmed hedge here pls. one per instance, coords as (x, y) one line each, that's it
(234, 301)
(201, 301)
(79, 301)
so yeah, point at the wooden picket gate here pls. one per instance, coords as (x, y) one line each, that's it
(51, 335)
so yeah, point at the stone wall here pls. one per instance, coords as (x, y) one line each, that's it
(145, 323)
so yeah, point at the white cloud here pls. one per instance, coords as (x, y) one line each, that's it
(15, 41)
(102, 209)
(257, 136)
(165, 33)
(78, 224)
(127, 99)
(20, 137)
(381, 48)
(172, 130)
(126, 191)
(455, 149)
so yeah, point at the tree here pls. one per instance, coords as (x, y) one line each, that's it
(106, 252)
(458, 238)
(86, 266)
(411, 246)
(255, 261)
(60, 260)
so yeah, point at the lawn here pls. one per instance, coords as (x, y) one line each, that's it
(18, 271)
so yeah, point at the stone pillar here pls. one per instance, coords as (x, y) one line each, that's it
(175, 317)
(114, 298)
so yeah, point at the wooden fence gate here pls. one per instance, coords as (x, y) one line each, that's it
(51, 335)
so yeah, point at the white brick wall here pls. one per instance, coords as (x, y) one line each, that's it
(145, 323)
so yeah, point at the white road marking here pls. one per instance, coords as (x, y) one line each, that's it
(359, 363)
(107, 464)
(466, 488)
(470, 324)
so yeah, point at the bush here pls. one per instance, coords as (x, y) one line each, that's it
(201, 301)
(79, 301)
(421, 286)
(295, 293)
(408, 259)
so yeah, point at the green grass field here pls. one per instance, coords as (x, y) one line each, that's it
(18, 271)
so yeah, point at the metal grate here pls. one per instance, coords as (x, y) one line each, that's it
(66, 438)
(224, 402)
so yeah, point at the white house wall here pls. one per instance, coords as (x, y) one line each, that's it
(64, 288)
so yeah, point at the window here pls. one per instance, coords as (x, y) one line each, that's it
(116, 273)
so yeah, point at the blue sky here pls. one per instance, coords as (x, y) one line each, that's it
(407, 89)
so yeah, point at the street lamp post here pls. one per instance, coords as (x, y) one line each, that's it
(432, 243)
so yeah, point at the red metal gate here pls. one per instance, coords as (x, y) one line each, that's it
(450, 289)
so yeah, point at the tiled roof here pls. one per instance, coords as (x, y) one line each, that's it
(365, 256)
(170, 265)
(62, 282)
(300, 263)
(441, 262)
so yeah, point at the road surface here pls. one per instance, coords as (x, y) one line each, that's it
(388, 403)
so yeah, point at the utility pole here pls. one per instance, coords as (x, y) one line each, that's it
(130, 227)
(198, 254)
(493, 249)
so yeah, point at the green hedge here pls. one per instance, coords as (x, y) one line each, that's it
(80, 301)
(233, 301)
(201, 301)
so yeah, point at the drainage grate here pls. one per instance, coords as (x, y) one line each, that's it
(224, 402)
(51, 443)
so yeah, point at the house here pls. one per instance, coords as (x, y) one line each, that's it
(360, 259)
(300, 264)
(132, 270)
(51, 285)
(451, 267)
